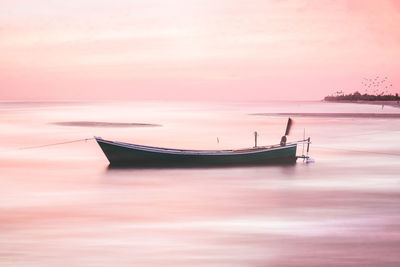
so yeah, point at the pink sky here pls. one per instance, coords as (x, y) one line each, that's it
(194, 49)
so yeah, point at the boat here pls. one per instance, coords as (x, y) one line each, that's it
(134, 155)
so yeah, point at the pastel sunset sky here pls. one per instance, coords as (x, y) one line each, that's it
(195, 49)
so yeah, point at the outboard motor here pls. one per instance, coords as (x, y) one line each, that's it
(288, 127)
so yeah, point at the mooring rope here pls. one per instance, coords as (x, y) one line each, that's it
(56, 144)
(358, 151)
(316, 146)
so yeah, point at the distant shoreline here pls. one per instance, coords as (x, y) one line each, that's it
(391, 103)
(333, 115)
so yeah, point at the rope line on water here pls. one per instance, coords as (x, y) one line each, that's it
(56, 144)
(359, 151)
(317, 146)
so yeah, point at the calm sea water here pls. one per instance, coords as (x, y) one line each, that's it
(62, 205)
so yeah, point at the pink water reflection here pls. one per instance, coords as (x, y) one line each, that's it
(63, 206)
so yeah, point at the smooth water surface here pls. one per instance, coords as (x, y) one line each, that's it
(63, 206)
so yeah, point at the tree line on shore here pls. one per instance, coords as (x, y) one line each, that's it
(357, 96)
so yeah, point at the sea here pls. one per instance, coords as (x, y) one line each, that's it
(61, 204)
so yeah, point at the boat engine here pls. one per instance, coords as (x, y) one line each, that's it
(288, 126)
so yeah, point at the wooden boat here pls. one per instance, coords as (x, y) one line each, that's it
(120, 153)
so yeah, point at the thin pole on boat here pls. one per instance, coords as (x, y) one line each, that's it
(304, 138)
(255, 138)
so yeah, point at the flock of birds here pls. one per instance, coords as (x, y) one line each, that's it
(376, 86)
(379, 86)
